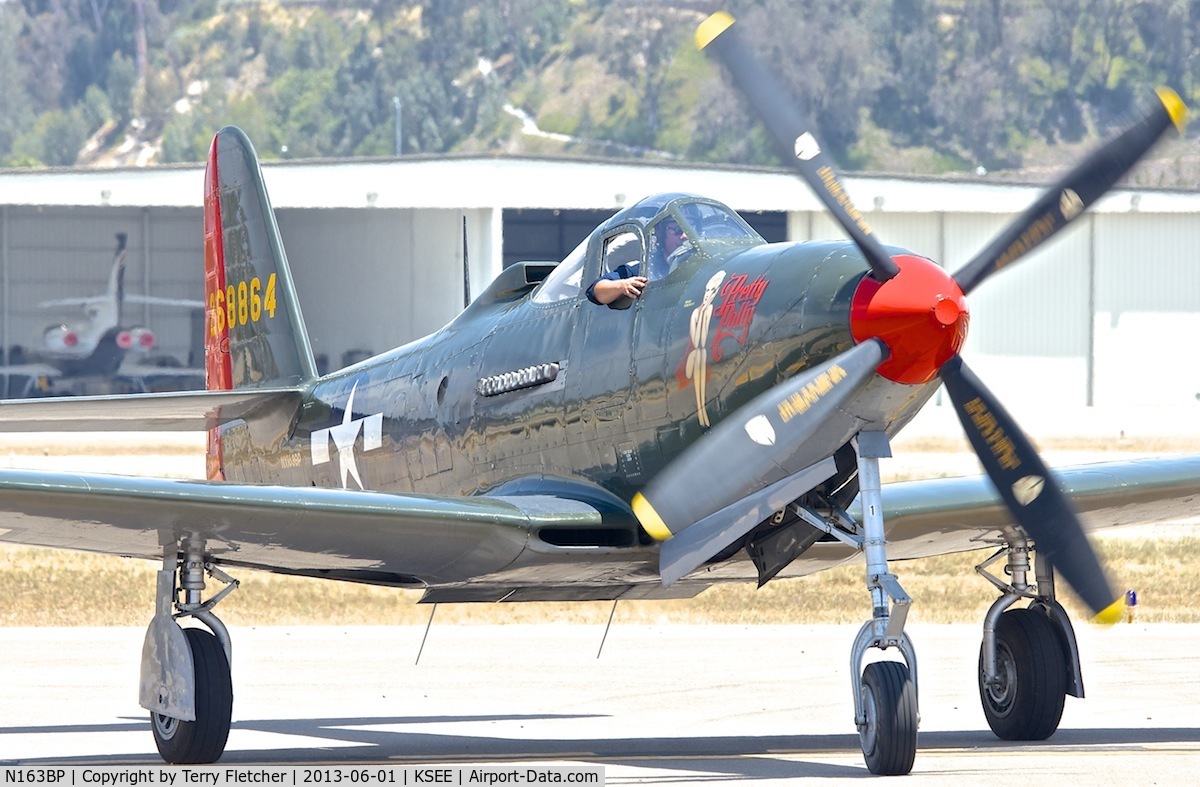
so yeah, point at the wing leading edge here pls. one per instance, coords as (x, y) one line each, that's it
(376, 537)
(182, 411)
(403, 539)
(937, 516)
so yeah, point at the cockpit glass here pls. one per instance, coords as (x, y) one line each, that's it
(716, 223)
(565, 280)
(707, 227)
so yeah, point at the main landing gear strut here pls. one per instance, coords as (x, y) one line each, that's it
(185, 681)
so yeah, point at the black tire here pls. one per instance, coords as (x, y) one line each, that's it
(1027, 702)
(889, 739)
(203, 740)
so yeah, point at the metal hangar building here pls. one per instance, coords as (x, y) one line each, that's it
(1098, 316)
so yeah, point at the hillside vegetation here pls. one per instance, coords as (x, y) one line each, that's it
(958, 86)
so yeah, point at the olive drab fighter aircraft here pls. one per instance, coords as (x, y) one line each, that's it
(727, 425)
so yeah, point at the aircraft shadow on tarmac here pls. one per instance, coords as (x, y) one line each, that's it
(364, 740)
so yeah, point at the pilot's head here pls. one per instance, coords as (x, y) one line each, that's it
(670, 235)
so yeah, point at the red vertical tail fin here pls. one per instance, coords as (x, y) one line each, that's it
(254, 331)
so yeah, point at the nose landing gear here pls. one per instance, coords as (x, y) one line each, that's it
(885, 706)
(885, 696)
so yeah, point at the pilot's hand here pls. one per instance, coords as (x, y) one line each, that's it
(633, 286)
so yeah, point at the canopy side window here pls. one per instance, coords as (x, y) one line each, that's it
(566, 280)
(624, 248)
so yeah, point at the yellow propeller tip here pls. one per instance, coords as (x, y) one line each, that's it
(712, 27)
(1113, 613)
(651, 521)
(1174, 106)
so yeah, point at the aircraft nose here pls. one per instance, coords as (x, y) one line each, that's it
(920, 314)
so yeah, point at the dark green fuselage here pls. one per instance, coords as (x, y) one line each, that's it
(620, 407)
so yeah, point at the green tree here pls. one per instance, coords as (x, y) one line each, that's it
(95, 108)
(911, 48)
(17, 114)
(55, 139)
(305, 125)
(122, 79)
(974, 102)
(826, 59)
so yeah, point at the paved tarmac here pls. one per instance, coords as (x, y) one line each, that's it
(675, 704)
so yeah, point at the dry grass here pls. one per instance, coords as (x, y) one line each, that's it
(41, 587)
(1103, 447)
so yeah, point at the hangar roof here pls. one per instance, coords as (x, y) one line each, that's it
(475, 181)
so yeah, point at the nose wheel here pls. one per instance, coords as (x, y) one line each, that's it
(885, 696)
(888, 733)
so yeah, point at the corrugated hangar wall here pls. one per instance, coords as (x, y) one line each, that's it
(56, 253)
(1103, 315)
(368, 280)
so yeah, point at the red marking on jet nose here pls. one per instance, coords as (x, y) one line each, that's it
(920, 314)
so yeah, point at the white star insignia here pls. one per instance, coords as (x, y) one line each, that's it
(345, 435)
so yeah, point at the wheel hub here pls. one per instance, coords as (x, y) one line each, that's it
(1002, 690)
(165, 726)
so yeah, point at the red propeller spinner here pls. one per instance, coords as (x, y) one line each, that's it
(920, 314)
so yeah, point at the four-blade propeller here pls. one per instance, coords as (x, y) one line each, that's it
(930, 348)
(793, 134)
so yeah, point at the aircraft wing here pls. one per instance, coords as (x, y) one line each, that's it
(493, 542)
(31, 370)
(371, 536)
(60, 302)
(181, 411)
(937, 516)
(153, 300)
(176, 372)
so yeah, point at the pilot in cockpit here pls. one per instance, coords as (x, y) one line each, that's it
(625, 279)
(673, 248)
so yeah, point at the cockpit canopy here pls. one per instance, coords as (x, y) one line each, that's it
(639, 232)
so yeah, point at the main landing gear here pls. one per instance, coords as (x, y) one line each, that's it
(1028, 662)
(1029, 659)
(185, 682)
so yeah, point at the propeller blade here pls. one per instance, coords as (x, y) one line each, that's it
(682, 554)
(1031, 493)
(793, 134)
(1075, 192)
(777, 434)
